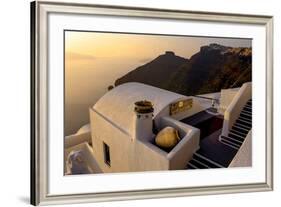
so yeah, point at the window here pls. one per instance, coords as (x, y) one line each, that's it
(106, 153)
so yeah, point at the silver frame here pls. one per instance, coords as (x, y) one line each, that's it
(39, 107)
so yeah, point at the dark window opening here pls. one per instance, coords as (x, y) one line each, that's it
(106, 153)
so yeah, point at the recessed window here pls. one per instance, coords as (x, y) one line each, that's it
(106, 153)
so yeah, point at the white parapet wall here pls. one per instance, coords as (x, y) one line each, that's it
(243, 158)
(87, 156)
(149, 157)
(226, 97)
(182, 153)
(232, 112)
(154, 158)
(75, 139)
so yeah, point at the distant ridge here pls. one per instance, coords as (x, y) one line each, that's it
(213, 68)
(155, 73)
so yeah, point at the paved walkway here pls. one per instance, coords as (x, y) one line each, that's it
(207, 123)
(213, 149)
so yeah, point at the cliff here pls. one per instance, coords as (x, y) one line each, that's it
(213, 68)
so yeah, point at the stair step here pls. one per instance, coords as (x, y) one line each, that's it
(245, 119)
(248, 116)
(242, 127)
(235, 138)
(246, 112)
(231, 140)
(198, 164)
(238, 132)
(248, 108)
(249, 105)
(191, 166)
(207, 161)
(244, 123)
(228, 144)
(236, 135)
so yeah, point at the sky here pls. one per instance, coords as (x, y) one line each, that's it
(94, 60)
(87, 45)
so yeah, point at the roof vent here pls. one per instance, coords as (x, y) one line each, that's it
(143, 107)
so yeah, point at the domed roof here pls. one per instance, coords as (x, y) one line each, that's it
(117, 105)
(84, 129)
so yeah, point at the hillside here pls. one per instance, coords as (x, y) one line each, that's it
(155, 73)
(213, 68)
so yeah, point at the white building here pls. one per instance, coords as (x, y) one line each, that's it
(122, 131)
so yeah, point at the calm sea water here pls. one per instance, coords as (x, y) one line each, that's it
(86, 82)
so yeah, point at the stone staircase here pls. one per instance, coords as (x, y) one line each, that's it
(240, 128)
(199, 161)
(235, 138)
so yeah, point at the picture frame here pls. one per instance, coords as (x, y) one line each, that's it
(41, 128)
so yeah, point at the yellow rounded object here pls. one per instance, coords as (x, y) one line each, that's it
(167, 137)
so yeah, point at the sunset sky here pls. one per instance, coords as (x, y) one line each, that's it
(88, 45)
(93, 61)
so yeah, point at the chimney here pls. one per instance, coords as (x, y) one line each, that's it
(143, 120)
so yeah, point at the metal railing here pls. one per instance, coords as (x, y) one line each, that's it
(214, 100)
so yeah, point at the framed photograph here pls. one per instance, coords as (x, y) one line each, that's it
(135, 103)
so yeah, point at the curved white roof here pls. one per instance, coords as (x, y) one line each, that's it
(117, 105)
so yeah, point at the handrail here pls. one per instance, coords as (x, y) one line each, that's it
(214, 100)
(198, 96)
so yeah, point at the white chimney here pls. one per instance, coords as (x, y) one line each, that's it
(143, 120)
